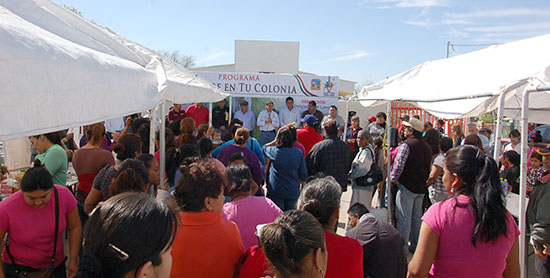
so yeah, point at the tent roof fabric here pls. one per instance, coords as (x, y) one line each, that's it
(50, 83)
(182, 85)
(467, 84)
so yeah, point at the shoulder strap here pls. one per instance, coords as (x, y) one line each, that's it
(56, 223)
(55, 233)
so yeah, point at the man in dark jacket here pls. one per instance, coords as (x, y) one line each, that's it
(382, 244)
(410, 173)
(330, 156)
(538, 218)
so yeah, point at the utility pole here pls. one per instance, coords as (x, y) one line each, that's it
(448, 46)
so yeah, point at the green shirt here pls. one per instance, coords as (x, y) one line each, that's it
(55, 160)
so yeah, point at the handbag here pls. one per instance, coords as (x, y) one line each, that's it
(47, 272)
(373, 177)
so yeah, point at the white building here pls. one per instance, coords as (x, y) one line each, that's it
(270, 57)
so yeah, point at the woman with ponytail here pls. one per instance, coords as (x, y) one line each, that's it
(90, 159)
(52, 155)
(295, 245)
(471, 234)
(321, 198)
(128, 146)
(35, 220)
(129, 235)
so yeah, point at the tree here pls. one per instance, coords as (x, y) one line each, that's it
(187, 61)
(72, 9)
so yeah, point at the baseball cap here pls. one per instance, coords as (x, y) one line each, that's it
(404, 117)
(415, 124)
(310, 119)
(372, 118)
(244, 103)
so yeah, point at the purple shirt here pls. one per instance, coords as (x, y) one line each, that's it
(249, 212)
(249, 158)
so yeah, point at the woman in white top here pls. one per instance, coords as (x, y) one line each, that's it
(360, 167)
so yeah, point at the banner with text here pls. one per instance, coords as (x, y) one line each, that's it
(273, 85)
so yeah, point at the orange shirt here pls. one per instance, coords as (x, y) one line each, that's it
(206, 246)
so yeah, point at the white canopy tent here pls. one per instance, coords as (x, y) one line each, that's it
(180, 85)
(507, 77)
(50, 83)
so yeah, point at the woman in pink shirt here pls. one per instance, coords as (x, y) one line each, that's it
(470, 234)
(246, 210)
(29, 218)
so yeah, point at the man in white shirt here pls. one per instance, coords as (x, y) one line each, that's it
(333, 116)
(472, 130)
(268, 122)
(289, 114)
(247, 116)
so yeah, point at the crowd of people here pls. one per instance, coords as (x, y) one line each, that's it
(235, 206)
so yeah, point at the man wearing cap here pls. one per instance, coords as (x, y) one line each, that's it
(372, 119)
(307, 135)
(538, 218)
(333, 116)
(246, 115)
(411, 169)
(268, 122)
(312, 110)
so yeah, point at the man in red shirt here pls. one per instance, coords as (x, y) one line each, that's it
(198, 112)
(176, 113)
(307, 135)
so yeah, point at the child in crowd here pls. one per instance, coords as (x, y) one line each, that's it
(216, 138)
(535, 171)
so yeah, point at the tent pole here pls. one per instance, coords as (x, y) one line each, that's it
(152, 130)
(230, 110)
(523, 179)
(388, 167)
(162, 147)
(210, 114)
(346, 120)
(498, 130)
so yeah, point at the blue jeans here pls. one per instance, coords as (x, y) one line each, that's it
(287, 203)
(266, 137)
(408, 211)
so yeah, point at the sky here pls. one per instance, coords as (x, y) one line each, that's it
(363, 40)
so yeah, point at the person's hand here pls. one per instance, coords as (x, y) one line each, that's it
(209, 132)
(69, 153)
(540, 253)
(129, 121)
(72, 269)
(274, 142)
(268, 121)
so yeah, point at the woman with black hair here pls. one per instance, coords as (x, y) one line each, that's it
(471, 234)
(515, 140)
(295, 245)
(321, 198)
(52, 155)
(130, 235)
(105, 190)
(35, 218)
(511, 173)
(246, 210)
(286, 170)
